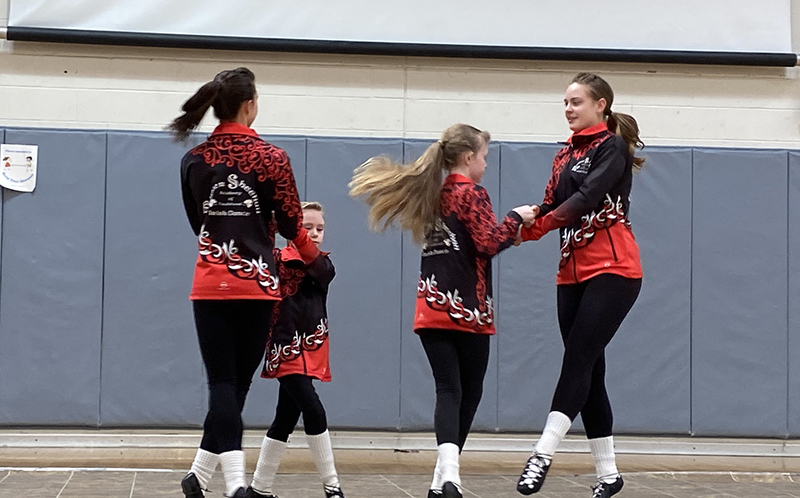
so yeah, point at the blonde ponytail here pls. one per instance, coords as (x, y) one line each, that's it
(409, 194)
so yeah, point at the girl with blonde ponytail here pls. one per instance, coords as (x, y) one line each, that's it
(439, 200)
(599, 277)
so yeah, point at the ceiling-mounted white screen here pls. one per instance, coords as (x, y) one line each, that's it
(706, 25)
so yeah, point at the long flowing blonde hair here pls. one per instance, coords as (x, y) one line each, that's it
(409, 194)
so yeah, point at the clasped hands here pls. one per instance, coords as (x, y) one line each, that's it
(528, 215)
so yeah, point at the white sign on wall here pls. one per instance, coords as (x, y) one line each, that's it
(18, 167)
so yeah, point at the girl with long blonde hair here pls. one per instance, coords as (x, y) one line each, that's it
(439, 200)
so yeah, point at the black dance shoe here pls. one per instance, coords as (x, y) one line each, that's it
(606, 490)
(532, 477)
(191, 486)
(333, 492)
(450, 490)
(240, 493)
(252, 493)
(434, 494)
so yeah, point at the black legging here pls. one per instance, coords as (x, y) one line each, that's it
(589, 314)
(297, 395)
(233, 336)
(458, 360)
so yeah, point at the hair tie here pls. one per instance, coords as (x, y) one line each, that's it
(609, 112)
(441, 144)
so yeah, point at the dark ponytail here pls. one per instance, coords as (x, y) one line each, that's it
(626, 126)
(225, 94)
(621, 124)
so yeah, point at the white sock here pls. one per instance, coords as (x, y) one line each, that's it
(554, 431)
(203, 467)
(448, 464)
(268, 461)
(322, 454)
(233, 470)
(437, 482)
(604, 459)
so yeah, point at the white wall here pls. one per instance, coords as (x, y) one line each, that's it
(81, 86)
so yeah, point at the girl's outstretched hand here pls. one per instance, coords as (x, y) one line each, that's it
(527, 214)
(523, 211)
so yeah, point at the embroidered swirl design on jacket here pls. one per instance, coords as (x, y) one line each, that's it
(452, 303)
(290, 279)
(300, 342)
(473, 207)
(227, 254)
(612, 213)
(252, 154)
(281, 353)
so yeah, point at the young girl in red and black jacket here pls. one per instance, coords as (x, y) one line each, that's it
(297, 353)
(599, 275)
(454, 314)
(232, 184)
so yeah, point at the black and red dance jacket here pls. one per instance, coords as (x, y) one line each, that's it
(232, 184)
(455, 282)
(587, 198)
(298, 342)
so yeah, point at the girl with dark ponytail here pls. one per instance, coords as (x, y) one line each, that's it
(226, 93)
(237, 190)
(599, 276)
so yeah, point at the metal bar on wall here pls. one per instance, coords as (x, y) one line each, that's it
(16, 33)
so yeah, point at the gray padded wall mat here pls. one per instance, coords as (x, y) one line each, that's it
(52, 283)
(364, 300)
(528, 340)
(259, 409)
(2, 193)
(486, 416)
(148, 328)
(739, 293)
(417, 389)
(794, 293)
(648, 362)
(104, 247)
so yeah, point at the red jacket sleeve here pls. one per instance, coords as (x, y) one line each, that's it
(290, 269)
(540, 227)
(305, 246)
(477, 215)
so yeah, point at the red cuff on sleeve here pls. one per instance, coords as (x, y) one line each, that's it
(539, 228)
(305, 246)
(289, 253)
